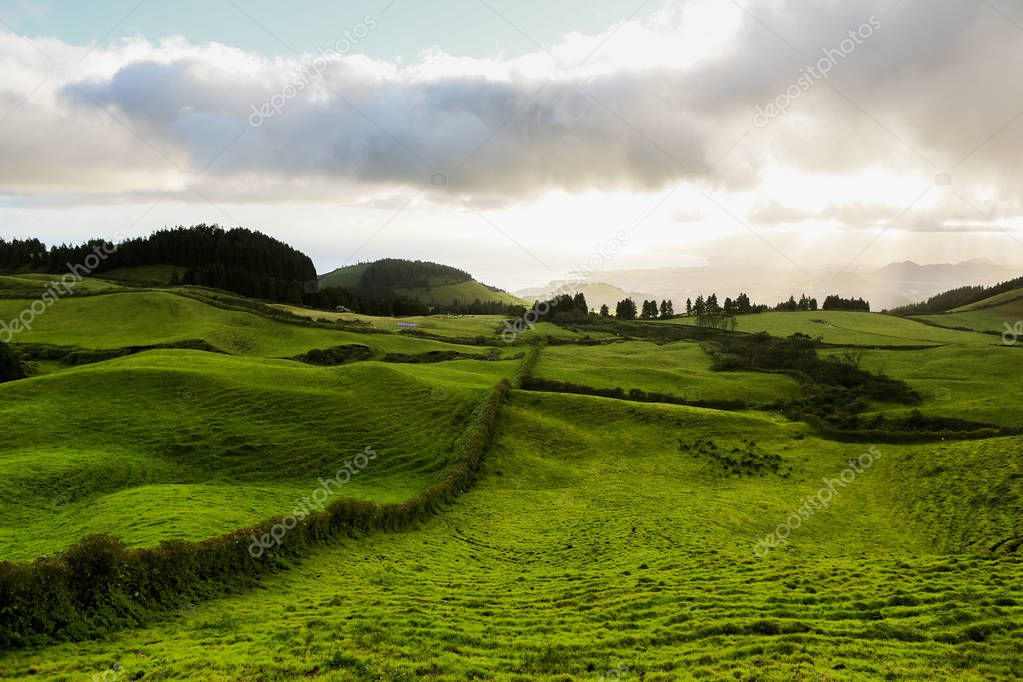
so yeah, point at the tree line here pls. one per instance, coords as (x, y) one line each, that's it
(741, 305)
(238, 260)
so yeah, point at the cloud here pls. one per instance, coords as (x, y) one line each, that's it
(645, 103)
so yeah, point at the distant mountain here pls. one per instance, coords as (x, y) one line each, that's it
(596, 293)
(895, 284)
(429, 283)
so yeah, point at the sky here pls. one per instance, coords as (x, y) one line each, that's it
(524, 140)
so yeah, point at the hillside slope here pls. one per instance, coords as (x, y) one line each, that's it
(600, 551)
(431, 283)
(991, 314)
(187, 444)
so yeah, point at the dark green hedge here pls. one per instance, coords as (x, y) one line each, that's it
(98, 585)
(633, 394)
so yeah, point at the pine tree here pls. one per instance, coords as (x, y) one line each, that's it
(626, 310)
(604, 311)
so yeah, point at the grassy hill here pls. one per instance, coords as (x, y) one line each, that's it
(604, 537)
(843, 327)
(586, 550)
(140, 318)
(206, 443)
(431, 283)
(988, 315)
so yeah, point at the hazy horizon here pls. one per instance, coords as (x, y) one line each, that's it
(516, 142)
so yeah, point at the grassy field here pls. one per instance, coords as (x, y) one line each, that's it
(452, 326)
(189, 444)
(441, 292)
(978, 384)
(594, 545)
(32, 286)
(681, 369)
(991, 314)
(606, 539)
(155, 317)
(842, 327)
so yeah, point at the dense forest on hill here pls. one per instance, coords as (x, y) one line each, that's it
(958, 297)
(410, 274)
(238, 260)
(389, 287)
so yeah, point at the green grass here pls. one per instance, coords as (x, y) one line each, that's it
(33, 285)
(989, 315)
(466, 326)
(169, 444)
(348, 277)
(456, 327)
(463, 292)
(997, 299)
(593, 543)
(441, 293)
(592, 540)
(977, 383)
(855, 328)
(681, 369)
(155, 317)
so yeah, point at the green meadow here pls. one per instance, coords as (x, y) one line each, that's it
(143, 318)
(853, 328)
(681, 368)
(1000, 314)
(602, 539)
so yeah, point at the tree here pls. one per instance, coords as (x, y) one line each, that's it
(700, 307)
(626, 310)
(834, 302)
(649, 310)
(579, 304)
(604, 312)
(689, 307)
(712, 304)
(667, 310)
(717, 321)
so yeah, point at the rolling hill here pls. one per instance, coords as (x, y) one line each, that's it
(601, 536)
(999, 313)
(431, 283)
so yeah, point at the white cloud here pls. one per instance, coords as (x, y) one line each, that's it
(647, 101)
